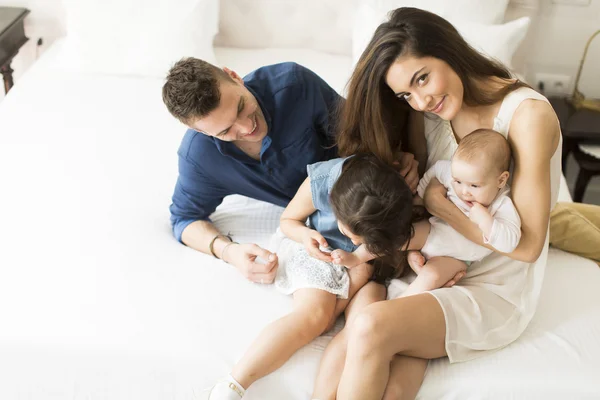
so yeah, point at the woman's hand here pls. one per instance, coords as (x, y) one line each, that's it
(312, 240)
(435, 196)
(459, 275)
(409, 169)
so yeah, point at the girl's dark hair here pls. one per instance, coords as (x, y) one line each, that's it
(375, 203)
(373, 119)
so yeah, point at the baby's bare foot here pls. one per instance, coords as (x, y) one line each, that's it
(341, 257)
(416, 261)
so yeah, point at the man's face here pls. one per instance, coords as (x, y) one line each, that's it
(238, 116)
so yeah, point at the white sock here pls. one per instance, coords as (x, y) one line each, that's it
(227, 389)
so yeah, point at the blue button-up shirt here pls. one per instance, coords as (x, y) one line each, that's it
(299, 108)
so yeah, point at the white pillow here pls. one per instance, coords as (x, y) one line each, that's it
(130, 37)
(497, 41)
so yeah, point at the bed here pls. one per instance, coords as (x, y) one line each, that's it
(98, 301)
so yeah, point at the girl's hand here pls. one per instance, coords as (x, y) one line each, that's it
(312, 240)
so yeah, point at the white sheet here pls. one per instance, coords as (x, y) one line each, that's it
(98, 301)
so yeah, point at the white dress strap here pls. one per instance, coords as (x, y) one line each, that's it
(510, 104)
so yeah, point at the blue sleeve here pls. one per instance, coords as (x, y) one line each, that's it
(320, 175)
(195, 198)
(326, 104)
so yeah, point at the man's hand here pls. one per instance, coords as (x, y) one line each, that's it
(312, 241)
(409, 169)
(243, 257)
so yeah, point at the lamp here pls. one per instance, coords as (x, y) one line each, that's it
(578, 100)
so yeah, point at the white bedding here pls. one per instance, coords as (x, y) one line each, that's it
(98, 301)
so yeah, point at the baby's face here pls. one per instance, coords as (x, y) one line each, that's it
(475, 181)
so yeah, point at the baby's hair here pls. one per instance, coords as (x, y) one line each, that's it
(374, 202)
(486, 144)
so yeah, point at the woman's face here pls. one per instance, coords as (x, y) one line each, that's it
(427, 84)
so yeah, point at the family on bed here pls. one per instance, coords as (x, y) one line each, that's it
(347, 171)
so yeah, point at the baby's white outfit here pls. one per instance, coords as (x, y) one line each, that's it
(443, 240)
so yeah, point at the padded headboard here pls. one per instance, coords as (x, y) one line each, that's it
(315, 24)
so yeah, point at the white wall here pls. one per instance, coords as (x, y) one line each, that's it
(557, 41)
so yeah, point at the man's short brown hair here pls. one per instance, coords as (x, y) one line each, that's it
(485, 144)
(192, 89)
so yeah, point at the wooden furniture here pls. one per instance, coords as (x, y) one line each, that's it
(588, 159)
(12, 37)
(580, 128)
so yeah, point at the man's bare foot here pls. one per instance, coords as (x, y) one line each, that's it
(348, 260)
(415, 260)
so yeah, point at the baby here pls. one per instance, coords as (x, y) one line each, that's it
(476, 180)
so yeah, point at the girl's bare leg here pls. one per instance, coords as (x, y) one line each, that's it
(277, 342)
(332, 364)
(359, 276)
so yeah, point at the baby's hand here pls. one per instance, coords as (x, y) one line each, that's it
(482, 217)
(415, 260)
(479, 214)
(348, 260)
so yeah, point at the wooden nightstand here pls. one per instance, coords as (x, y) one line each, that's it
(12, 37)
(581, 136)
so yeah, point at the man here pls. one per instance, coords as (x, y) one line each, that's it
(253, 137)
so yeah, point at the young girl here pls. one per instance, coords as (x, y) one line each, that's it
(476, 180)
(373, 204)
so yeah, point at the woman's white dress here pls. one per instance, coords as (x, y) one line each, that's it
(493, 304)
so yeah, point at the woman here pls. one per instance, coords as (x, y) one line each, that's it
(418, 58)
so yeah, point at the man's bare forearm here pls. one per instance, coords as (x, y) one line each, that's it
(199, 234)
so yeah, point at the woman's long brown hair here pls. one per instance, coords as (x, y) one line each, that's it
(373, 119)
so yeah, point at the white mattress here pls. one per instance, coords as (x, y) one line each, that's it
(98, 301)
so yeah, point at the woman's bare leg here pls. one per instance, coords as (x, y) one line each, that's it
(359, 276)
(406, 377)
(411, 326)
(282, 338)
(332, 364)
